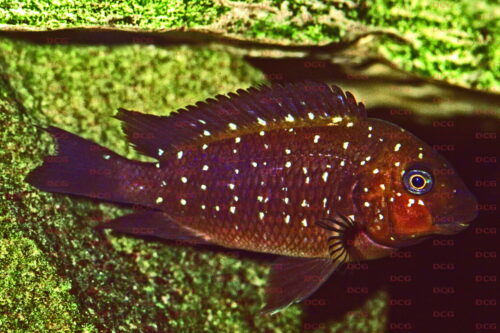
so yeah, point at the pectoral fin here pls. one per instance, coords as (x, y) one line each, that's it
(293, 279)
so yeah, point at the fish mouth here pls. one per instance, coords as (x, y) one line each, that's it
(459, 218)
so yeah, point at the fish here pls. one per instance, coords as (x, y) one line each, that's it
(296, 169)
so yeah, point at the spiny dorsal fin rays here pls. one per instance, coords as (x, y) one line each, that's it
(245, 111)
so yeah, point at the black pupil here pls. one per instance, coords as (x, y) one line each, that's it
(418, 181)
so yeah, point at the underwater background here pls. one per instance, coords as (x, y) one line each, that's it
(431, 67)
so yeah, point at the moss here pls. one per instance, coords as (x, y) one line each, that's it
(144, 14)
(454, 41)
(32, 296)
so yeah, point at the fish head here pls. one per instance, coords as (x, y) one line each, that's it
(410, 192)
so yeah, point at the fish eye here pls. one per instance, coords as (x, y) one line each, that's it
(417, 181)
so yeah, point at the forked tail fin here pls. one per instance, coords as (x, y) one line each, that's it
(82, 167)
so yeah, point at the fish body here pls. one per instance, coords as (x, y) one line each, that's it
(297, 170)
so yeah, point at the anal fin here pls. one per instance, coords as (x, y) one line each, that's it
(294, 279)
(153, 223)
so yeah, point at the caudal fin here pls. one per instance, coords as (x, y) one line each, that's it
(82, 167)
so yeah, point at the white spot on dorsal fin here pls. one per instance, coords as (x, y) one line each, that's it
(202, 121)
(350, 124)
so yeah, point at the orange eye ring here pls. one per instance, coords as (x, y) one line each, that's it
(416, 179)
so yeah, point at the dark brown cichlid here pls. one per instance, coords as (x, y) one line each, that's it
(296, 170)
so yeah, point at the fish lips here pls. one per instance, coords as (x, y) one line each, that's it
(457, 218)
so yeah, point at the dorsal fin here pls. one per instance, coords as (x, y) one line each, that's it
(255, 109)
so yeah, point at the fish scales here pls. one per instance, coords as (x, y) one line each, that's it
(297, 170)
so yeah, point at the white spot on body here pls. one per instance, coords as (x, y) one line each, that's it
(288, 164)
(262, 133)
(205, 146)
(310, 115)
(288, 151)
(232, 126)
(231, 186)
(366, 204)
(304, 169)
(316, 138)
(342, 163)
(106, 156)
(160, 152)
(337, 119)
(184, 180)
(286, 200)
(205, 167)
(350, 124)
(254, 164)
(304, 222)
(289, 118)
(232, 209)
(237, 139)
(261, 121)
(325, 176)
(382, 186)
(345, 144)
(397, 164)
(159, 200)
(397, 147)
(375, 171)
(287, 219)
(308, 180)
(206, 133)
(183, 202)
(261, 215)
(203, 187)
(304, 203)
